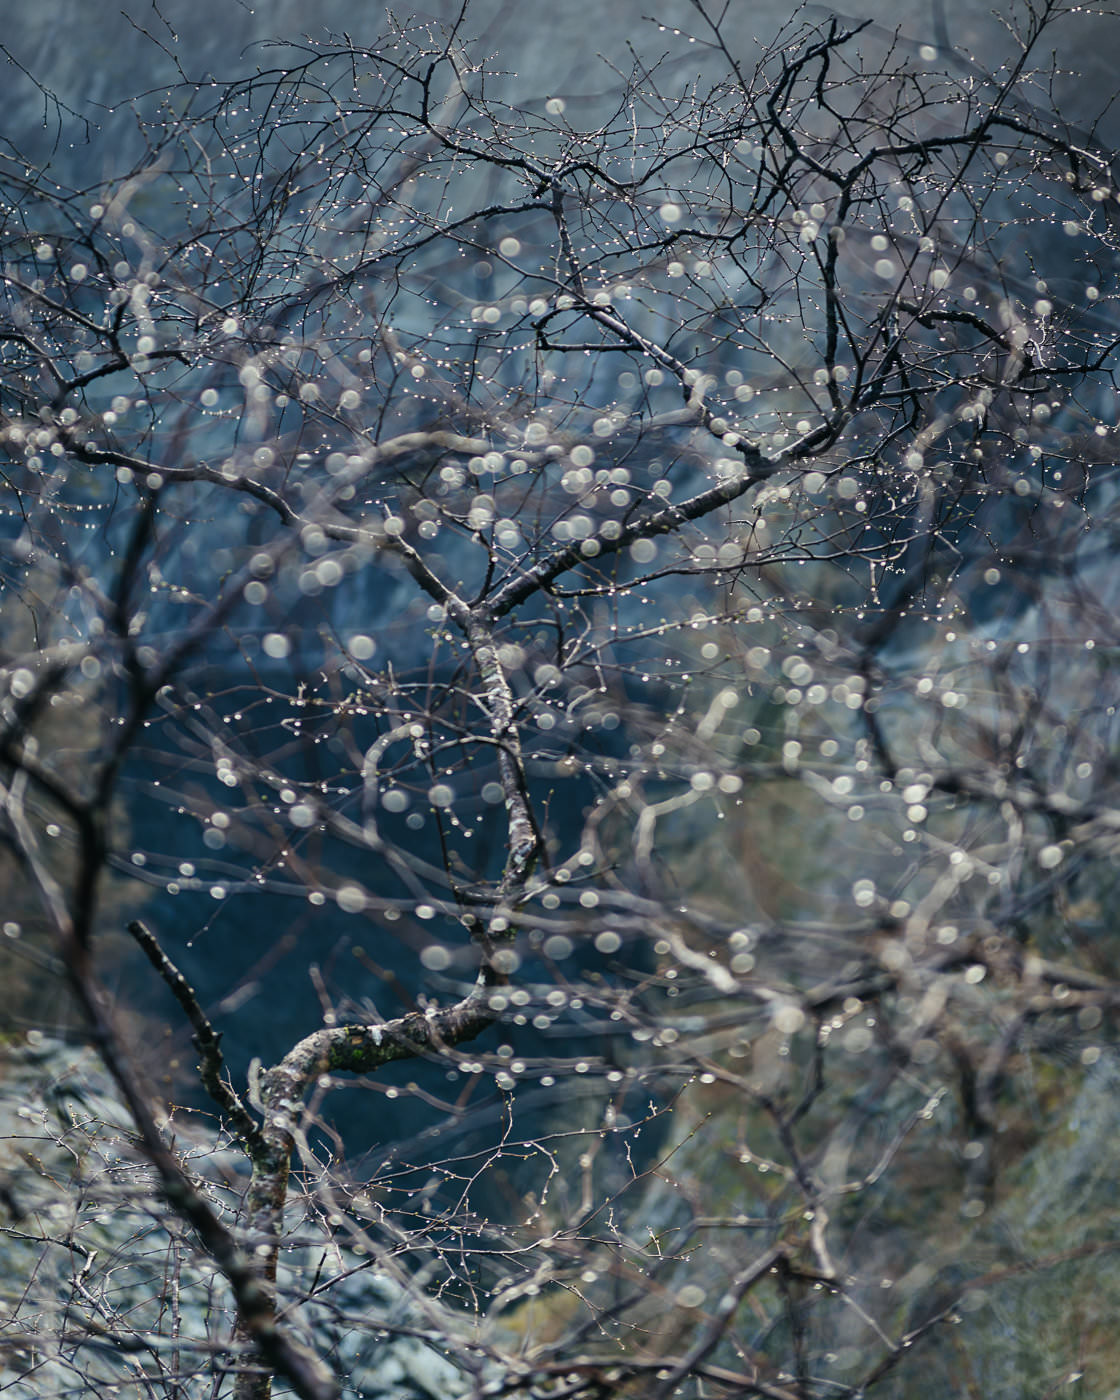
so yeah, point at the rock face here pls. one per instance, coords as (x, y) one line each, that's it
(101, 1290)
(542, 49)
(102, 1293)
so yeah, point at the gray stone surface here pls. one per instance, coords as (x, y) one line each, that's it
(112, 53)
(96, 1283)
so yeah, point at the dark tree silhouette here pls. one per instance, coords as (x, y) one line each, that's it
(641, 599)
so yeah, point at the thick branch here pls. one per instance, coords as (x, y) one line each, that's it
(206, 1038)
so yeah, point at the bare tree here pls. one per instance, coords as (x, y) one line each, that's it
(653, 582)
